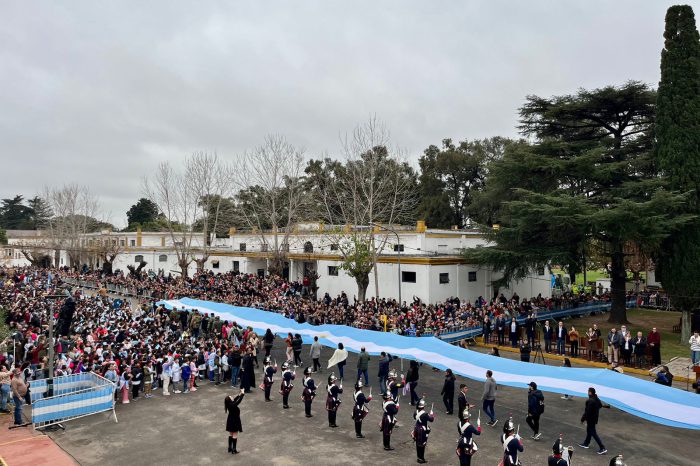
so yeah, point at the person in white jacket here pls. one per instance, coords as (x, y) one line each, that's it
(695, 348)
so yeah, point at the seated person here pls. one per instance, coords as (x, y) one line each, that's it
(664, 376)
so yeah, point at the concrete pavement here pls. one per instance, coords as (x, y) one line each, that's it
(190, 429)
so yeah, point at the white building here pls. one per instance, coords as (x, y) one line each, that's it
(431, 266)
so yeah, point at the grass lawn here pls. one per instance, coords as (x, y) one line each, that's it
(592, 275)
(641, 320)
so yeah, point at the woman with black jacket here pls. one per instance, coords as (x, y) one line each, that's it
(267, 341)
(412, 381)
(296, 347)
(233, 421)
(448, 391)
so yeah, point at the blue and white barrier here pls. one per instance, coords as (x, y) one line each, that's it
(642, 398)
(73, 396)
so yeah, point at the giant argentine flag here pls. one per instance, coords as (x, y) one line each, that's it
(657, 403)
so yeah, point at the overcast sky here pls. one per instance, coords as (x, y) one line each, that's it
(99, 92)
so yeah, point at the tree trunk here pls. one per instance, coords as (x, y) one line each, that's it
(200, 264)
(618, 279)
(685, 325)
(107, 267)
(184, 265)
(362, 284)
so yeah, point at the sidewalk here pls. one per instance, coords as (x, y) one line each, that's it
(583, 361)
(24, 446)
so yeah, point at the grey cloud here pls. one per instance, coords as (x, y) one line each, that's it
(99, 93)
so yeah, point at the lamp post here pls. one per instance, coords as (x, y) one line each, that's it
(398, 249)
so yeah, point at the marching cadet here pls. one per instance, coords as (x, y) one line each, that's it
(269, 371)
(466, 446)
(286, 386)
(422, 430)
(309, 391)
(561, 456)
(391, 409)
(333, 400)
(511, 444)
(393, 386)
(359, 410)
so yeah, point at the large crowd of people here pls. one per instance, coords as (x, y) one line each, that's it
(295, 300)
(142, 346)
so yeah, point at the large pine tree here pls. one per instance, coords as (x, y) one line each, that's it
(588, 181)
(678, 153)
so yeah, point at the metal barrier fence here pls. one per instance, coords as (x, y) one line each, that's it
(126, 291)
(558, 314)
(72, 397)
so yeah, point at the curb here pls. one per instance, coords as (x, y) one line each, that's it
(583, 362)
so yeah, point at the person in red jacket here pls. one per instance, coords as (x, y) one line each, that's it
(654, 343)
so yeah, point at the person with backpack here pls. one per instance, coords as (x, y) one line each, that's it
(535, 409)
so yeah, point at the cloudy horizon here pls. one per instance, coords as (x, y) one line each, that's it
(98, 94)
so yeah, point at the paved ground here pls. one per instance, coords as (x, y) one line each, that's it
(189, 429)
(25, 447)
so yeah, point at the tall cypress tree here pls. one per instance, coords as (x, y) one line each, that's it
(678, 154)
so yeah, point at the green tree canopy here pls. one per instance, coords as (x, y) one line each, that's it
(143, 212)
(678, 155)
(589, 179)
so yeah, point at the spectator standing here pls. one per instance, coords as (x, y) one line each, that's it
(561, 339)
(590, 418)
(363, 365)
(19, 391)
(640, 350)
(5, 389)
(573, 339)
(290, 350)
(383, 371)
(654, 343)
(548, 333)
(695, 348)
(513, 333)
(489, 398)
(613, 346)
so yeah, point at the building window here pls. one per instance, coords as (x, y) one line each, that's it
(444, 278)
(122, 243)
(308, 247)
(398, 248)
(408, 277)
(263, 247)
(163, 258)
(241, 246)
(214, 264)
(132, 243)
(334, 247)
(138, 259)
(332, 270)
(472, 276)
(261, 273)
(236, 266)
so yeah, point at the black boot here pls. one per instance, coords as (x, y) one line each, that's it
(358, 430)
(421, 454)
(230, 439)
(233, 445)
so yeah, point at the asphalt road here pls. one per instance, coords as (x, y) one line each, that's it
(190, 429)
